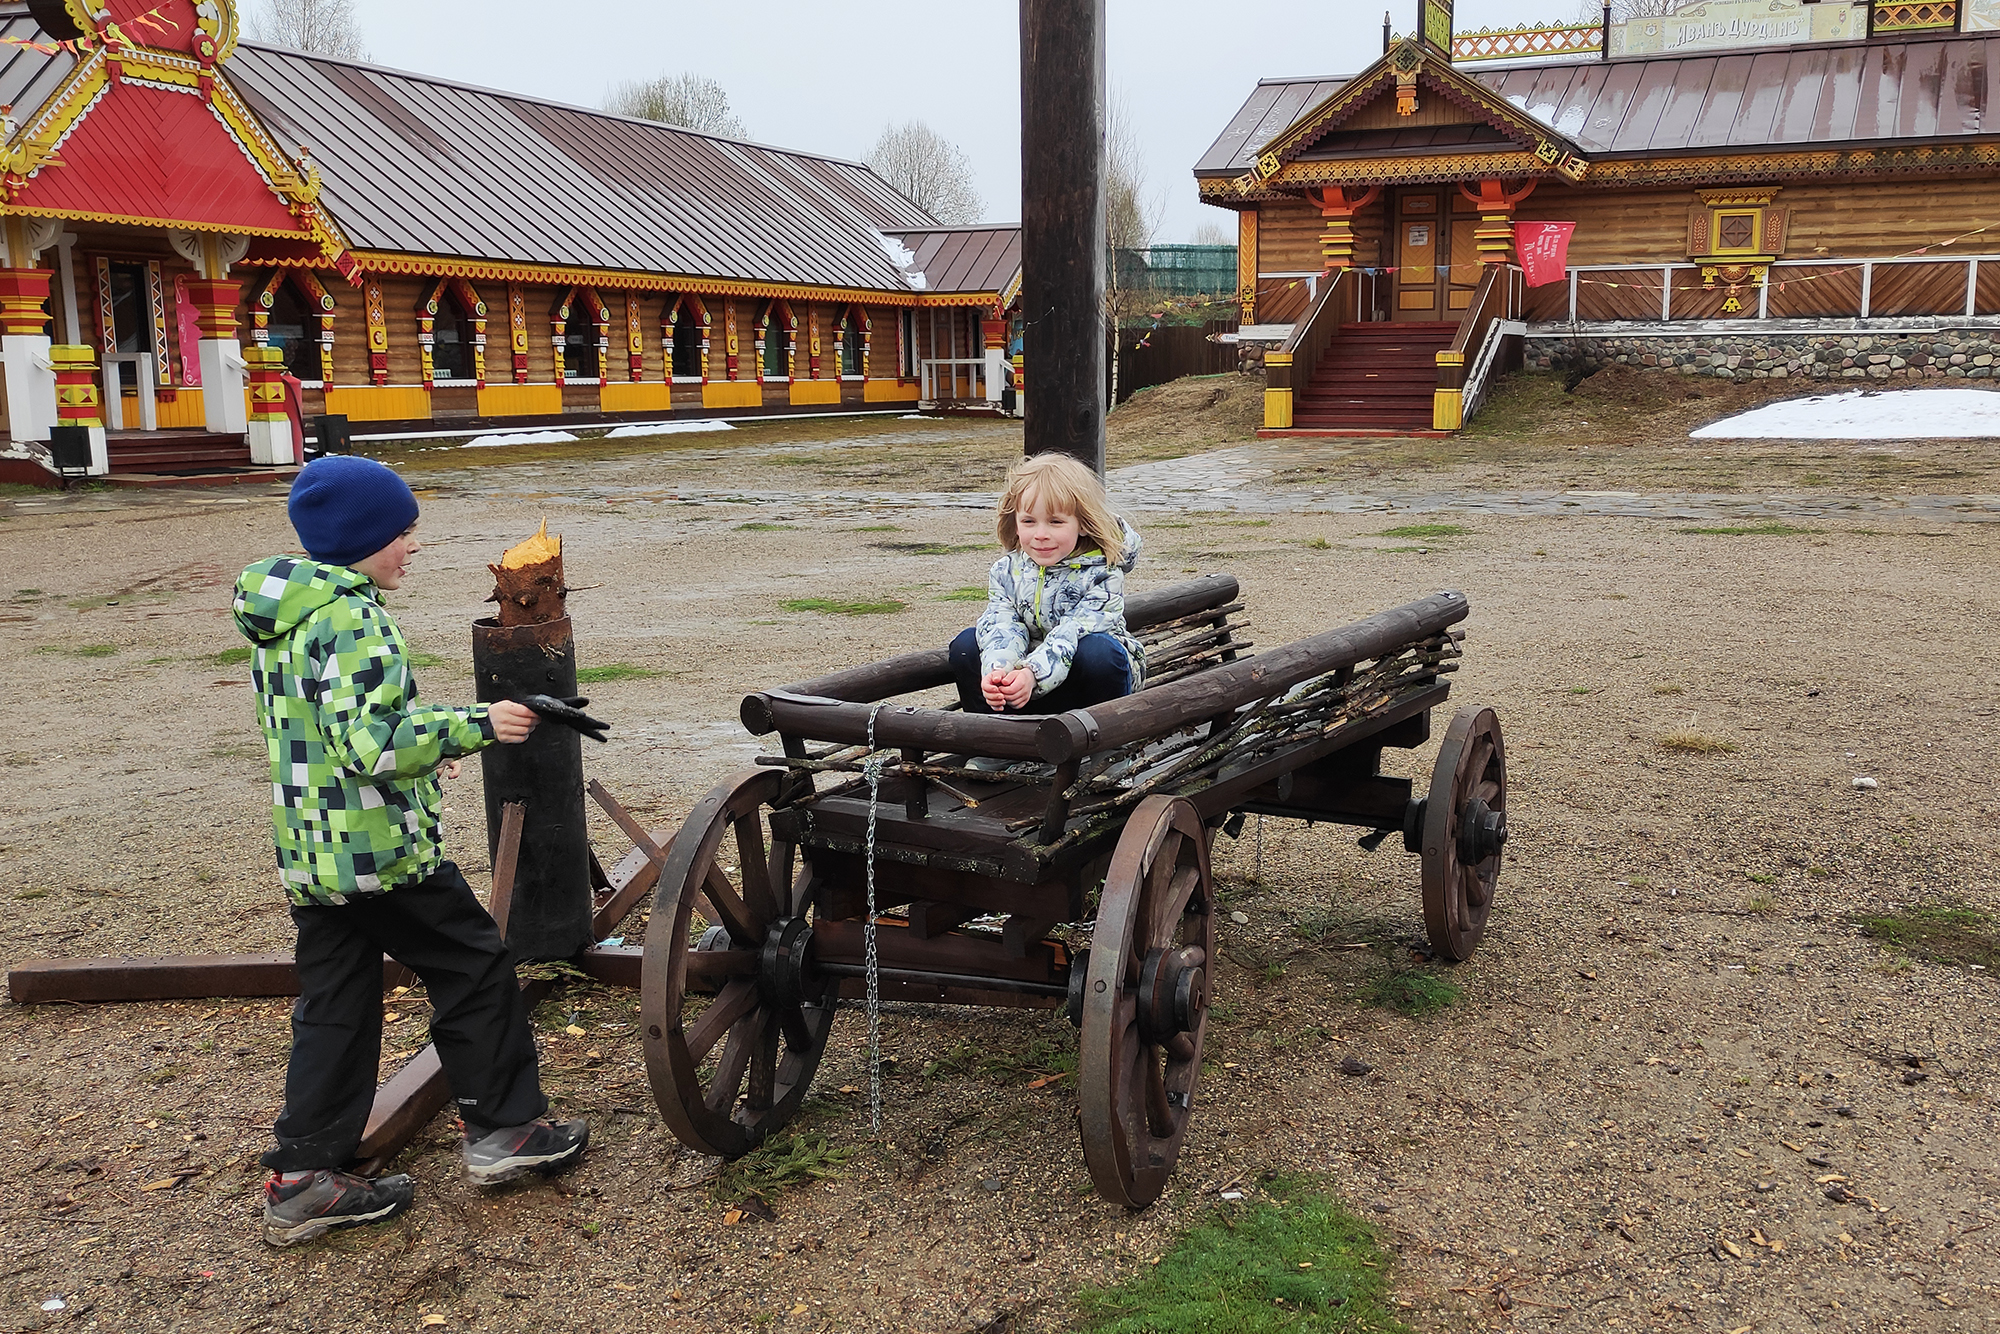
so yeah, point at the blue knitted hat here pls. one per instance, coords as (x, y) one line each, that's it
(347, 508)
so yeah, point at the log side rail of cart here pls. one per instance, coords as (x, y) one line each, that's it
(1226, 737)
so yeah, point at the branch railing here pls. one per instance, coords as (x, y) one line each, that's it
(1291, 366)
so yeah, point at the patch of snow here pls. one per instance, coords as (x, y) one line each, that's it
(665, 428)
(521, 438)
(1570, 122)
(1903, 414)
(911, 417)
(903, 257)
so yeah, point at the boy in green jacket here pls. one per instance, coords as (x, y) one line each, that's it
(355, 759)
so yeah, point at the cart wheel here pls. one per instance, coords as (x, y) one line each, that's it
(734, 1026)
(1465, 828)
(1145, 1001)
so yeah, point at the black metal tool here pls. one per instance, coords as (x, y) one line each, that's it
(569, 712)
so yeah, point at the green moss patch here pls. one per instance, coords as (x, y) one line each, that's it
(1298, 1262)
(833, 607)
(614, 671)
(1410, 991)
(1773, 529)
(1940, 933)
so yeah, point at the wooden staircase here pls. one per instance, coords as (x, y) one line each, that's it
(1380, 377)
(176, 453)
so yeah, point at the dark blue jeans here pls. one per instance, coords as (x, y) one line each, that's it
(1100, 671)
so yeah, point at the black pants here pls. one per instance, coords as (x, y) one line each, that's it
(438, 930)
(1101, 670)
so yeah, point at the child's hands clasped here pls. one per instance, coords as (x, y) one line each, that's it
(1009, 689)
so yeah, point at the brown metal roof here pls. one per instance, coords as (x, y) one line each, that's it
(28, 77)
(416, 165)
(1829, 95)
(965, 259)
(1274, 104)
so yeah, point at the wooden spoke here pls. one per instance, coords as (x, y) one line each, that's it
(1140, 1054)
(1468, 784)
(758, 894)
(728, 1073)
(737, 999)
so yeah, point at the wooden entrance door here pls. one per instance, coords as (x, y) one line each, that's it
(1435, 254)
(1421, 218)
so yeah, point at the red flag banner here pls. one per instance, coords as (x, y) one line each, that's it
(1544, 250)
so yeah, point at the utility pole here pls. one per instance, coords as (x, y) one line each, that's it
(1062, 226)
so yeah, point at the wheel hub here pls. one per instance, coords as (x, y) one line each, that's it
(1173, 993)
(783, 967)
(1482, 832)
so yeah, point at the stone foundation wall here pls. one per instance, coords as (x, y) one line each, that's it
(1942, 354)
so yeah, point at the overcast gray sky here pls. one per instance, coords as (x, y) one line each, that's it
(827, 77)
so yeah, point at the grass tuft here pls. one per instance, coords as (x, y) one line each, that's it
(230, 657)
(1772, 529)
(1669, 690)
(1319, 544)
(967, 594)
(794, 1160)
(877, 528)
(1300, 1263)
(614, 671)
(928, 548)
(767, 528)
(1696, 743)
(81, 650)
(1410, 991)
(1938, 932)
(418, 658)
(1425, 530)
(834, 607)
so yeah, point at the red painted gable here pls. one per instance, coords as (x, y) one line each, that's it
(148, 154)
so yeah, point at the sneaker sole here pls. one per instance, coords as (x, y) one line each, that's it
(509, 1169)
(319, 1227)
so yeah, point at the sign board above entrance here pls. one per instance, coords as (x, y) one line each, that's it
(1738, 23)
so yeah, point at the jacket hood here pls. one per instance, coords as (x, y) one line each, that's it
(275, 596)
(1130, 541)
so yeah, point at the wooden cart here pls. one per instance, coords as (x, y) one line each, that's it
(1124, 795)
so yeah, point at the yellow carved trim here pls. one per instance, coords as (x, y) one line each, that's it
(380, 403)
(810, 392)
(651, 396)
(891, 391)
(732, 394)
(79, 215)
(1739, 198)
(375, 261)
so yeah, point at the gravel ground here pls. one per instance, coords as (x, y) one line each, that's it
(1674, 1049)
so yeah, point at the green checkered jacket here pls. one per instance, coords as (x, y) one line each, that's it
(354, 755)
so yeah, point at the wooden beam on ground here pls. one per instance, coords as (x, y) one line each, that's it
(166, 977)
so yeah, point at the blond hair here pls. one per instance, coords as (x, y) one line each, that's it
(1064, 486)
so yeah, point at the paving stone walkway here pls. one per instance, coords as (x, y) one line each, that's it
(1234, 480)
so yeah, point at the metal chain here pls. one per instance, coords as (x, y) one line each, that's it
(1258, 875)
(872, 768)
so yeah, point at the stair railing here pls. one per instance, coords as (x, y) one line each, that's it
(1292, 365)
(1496, 304)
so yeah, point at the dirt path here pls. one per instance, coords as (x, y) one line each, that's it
(1673, 1049)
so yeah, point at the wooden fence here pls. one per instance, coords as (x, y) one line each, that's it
(1150, 357)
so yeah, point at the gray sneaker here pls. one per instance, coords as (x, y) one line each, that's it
(326, 1200)
(540, 1146)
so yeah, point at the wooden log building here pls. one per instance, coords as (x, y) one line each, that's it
(1776, 207)
(187, 216)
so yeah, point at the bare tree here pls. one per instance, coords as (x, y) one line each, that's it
(1131, 219)
(933, 171)
(692, 101)
(1592, 11)
(317, 27)
(1213, 233)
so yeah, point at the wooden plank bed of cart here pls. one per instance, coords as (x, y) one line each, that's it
(1103, 818)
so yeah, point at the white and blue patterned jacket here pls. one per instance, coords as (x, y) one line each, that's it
(1035, 616)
